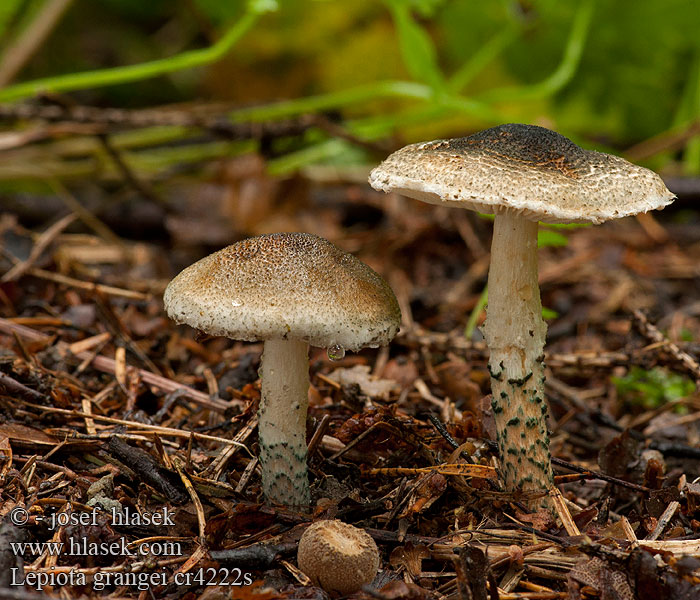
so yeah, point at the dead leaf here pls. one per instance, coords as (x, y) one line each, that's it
(619, 456)
(21, 433)
(541, 520)
(430, 488)
(597, 574)
(399, 590)
(401, 370)
(371, 386)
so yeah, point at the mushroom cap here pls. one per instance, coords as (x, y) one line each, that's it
(522, 169)
(338, 557)
(284, 286)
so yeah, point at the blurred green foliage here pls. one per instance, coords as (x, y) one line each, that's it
(604, 72)
(653, 388)
(546, 238)
(8, 10)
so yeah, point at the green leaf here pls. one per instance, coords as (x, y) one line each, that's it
(417, 49)
(548, 313)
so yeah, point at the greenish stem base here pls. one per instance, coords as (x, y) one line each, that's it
(515, 333)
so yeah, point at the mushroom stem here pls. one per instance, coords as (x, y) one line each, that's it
(515, 333)
(282, 422)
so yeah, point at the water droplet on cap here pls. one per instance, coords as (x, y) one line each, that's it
(336, 352)
(236, 302)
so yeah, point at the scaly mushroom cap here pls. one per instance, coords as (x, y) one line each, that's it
(522, 169)
(282, 286)
(338, 557)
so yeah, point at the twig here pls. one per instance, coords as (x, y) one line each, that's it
(138, 427)
(664, 520)
(201, 519)
(563, 511)
(9, 386)
(256, 556)
(144, 465)
(629, 532)
(456, 342)
(599, 475)
(84, 214)
(107, 365)
(31, 39)
(318, 435)
(372, 428)
(567, 391)
(673, 139)
(652, 333)
(555, 461)
(87, 285)
(461, 470)
(131, 178)
(157, 117)
(220, 126)
(217, 466)
(113, 323)
(246, 475)
(534, 596)
(442, 430)
(45, 239)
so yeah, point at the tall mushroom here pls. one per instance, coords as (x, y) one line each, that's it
(523, 174)
(289, 290)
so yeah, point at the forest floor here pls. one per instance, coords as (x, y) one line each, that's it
(106, 402)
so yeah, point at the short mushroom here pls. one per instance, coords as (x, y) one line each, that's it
(338, 557)
(523, 174)
(288, 290)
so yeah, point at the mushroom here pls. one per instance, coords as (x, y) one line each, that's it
(522, 174)
(288, 290)
(338, 557)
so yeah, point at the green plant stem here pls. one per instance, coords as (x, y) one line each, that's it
(563, 73)
(372, 128)
(292, 161)
(476, 312)
(127, 74)
(320, 102)
(359, 95)
(488, 52)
